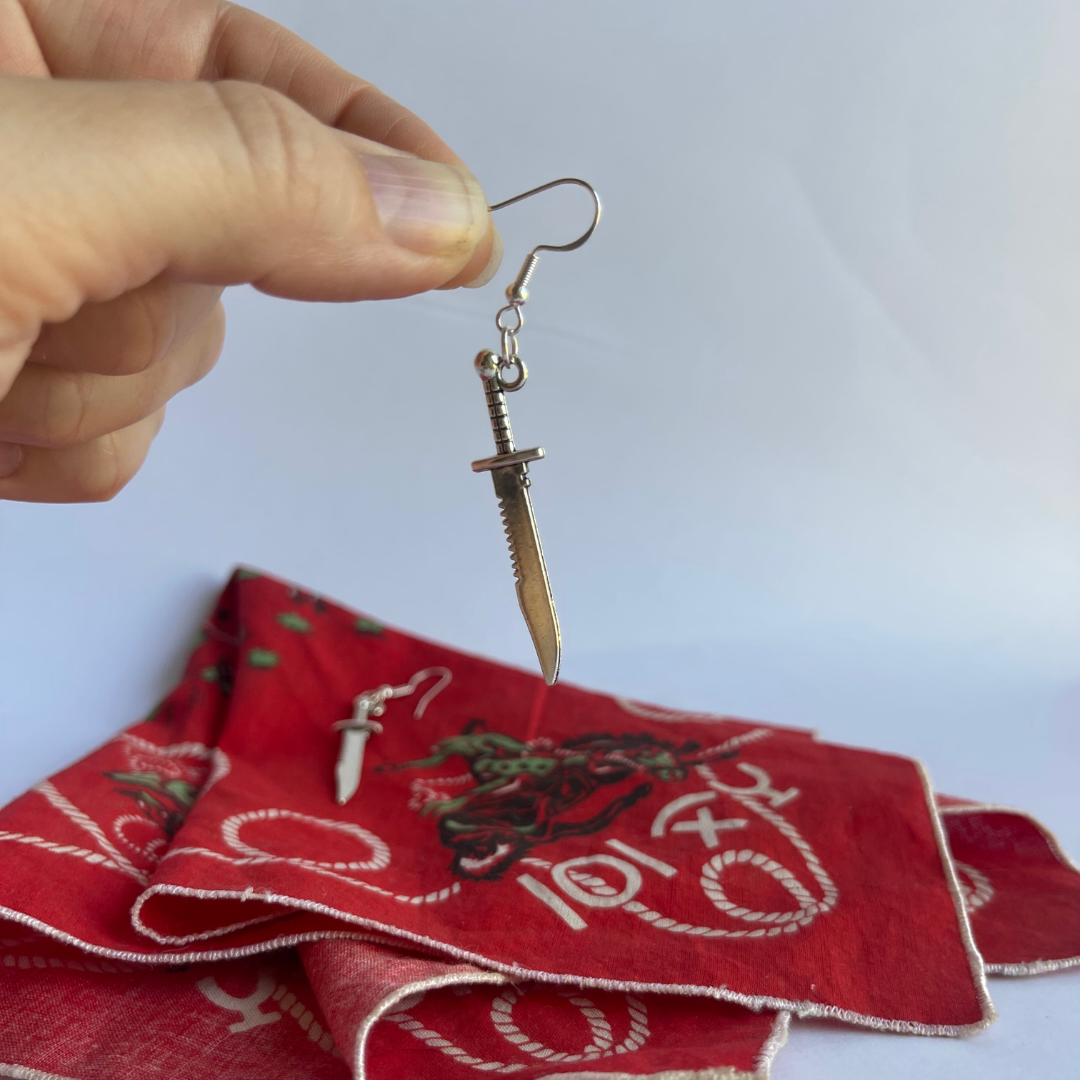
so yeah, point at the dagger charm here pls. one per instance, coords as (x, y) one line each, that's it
(509, 470)
(509, 467)
(356, 731)
(354, 736)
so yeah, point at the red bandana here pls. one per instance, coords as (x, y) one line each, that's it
(529, 880)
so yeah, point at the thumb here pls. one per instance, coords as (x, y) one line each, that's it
(106, 185)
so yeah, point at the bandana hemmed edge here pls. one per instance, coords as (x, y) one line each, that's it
(1031, 967)
(997, 808)
(726, 1072)
(421, 986)
(517, 973)
(662, 715)
(1035, 967)
(150, 959)
(777, 1039)
(978, 967)
(762, 1064)
(21, 1072)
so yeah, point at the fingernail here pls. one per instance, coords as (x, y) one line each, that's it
(427, 207)
(493, 264)
(11, 457)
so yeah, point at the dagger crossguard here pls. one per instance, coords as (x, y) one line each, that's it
(489, 366)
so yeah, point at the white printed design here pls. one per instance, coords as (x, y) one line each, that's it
(602, 1037)
(95, 967)
(109, 856)
(163, 782)
(587, 881)
(658, 712)
(601, 1045)
(379, 853)
(710, 882)
(149, 849)
(979, 892)
(150, 764)
(376, 850)
(251, 1014)
(92, 857)
(435, 790)
(177, 761)
(600, 894)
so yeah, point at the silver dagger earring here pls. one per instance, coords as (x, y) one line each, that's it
(503, 373)
(356, 731)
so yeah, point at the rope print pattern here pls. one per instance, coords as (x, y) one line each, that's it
(501, 1010)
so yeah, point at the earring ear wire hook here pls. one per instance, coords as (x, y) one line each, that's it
(444, 675)
(517, 291)
(547, 187)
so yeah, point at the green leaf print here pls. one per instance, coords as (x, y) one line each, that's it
(263, 658)
(366, 626)
(291, 621)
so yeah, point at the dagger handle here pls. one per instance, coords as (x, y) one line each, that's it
(500, 418)
(487, 366)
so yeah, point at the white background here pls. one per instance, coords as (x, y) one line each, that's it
(809, 398)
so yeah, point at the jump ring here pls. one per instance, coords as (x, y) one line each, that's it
(516, 309)
(523, 373)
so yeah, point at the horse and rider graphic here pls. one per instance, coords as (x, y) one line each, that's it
(524, 792)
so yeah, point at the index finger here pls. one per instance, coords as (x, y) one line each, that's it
(211, 40)
(207, 39)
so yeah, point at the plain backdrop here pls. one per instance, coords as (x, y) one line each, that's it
(809, 398)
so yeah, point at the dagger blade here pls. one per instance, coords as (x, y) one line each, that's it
(350, 762)
(530, 572)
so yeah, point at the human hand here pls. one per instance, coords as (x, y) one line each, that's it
(131, 197)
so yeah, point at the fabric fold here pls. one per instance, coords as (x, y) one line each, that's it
(532, 880)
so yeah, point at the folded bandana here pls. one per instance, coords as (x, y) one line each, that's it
(532, 880)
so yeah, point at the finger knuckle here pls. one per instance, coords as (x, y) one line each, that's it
(109, 472)
(66, 407)
(277, 141)
(211, 342)
(148, 333)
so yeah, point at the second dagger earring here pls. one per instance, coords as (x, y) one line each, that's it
(501, 374)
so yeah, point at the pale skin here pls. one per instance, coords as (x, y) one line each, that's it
(153, 152)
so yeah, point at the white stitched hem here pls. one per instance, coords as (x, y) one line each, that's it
(22, 1072)
(995, 808)
(205, 955)
(1034, 967)
(777, 1038)
(725, 1072)
(1030, 967)
(518, 973)
(438, 982)
(978, 968)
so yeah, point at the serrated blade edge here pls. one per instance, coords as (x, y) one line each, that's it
(530, 572)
